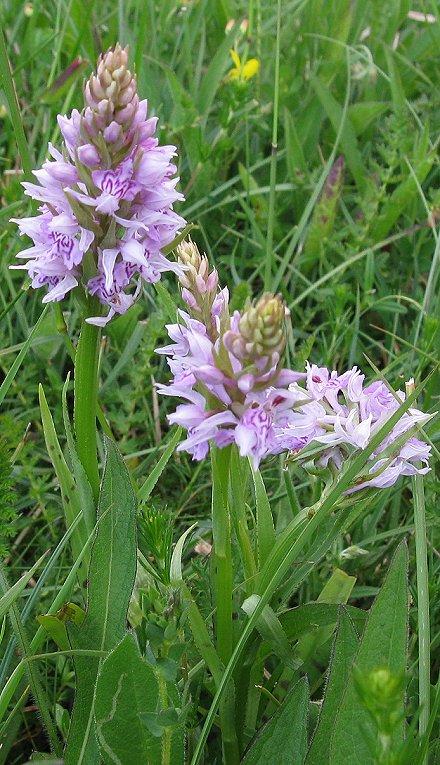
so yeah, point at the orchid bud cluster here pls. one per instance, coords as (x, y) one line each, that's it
(227, 367)
(106, 199)
(199, 285)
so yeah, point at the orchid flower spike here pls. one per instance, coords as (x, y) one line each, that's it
(106, 199)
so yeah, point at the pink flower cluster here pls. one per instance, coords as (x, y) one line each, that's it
(323, 421)
(335, 416)
(107, 200)
(234, 406)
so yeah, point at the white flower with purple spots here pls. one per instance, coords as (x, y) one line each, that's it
(337, 413)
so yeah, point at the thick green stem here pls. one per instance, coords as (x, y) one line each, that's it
(223, 585)
(166, 736)
(222, 558)
(424, 636)
(62, 329)
(422, 605)
(273, 160)
(86, 395)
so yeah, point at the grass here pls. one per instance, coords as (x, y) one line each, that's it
(353, 247)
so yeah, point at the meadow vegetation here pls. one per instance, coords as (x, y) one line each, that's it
(309, 166)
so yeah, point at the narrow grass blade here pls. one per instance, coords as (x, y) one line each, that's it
(9, 88)
(7, 382)
(148, 486)
(15, 591)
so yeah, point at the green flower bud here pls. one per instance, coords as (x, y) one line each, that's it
(262, 331)
(381, 692)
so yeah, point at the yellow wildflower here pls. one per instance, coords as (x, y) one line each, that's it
(243, 72)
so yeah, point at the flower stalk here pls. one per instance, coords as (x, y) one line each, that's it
(223, 588)
(86, 399)
(423, 618)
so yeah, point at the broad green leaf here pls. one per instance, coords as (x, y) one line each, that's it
(283, 740)
(345, 646)
(127, 688)
(166, 301)
(312, 616)
(15, 591)
(336, 590)
(295, 155)
(362, 114)
(128, 707)
(384, 642)
(395, 81)
(110, 583)
(265, 527)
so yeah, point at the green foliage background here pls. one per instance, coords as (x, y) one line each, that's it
(356, 248)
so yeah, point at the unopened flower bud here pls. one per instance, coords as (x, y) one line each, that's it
(189, 255)
(112, 101)
(88, 155)
(262, 326)
(199, 284)
(381, 692)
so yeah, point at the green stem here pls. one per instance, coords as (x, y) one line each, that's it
(223, 586)
(273, 160)
(221, 557)
(62, 329)
(86, 396)
(166, 737)
(422, 605)
(237, 482)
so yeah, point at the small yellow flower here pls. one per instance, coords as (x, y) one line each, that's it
(243, 72)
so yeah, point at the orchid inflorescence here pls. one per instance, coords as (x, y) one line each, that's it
(107, 216)
(107, 198)
(228, 368)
